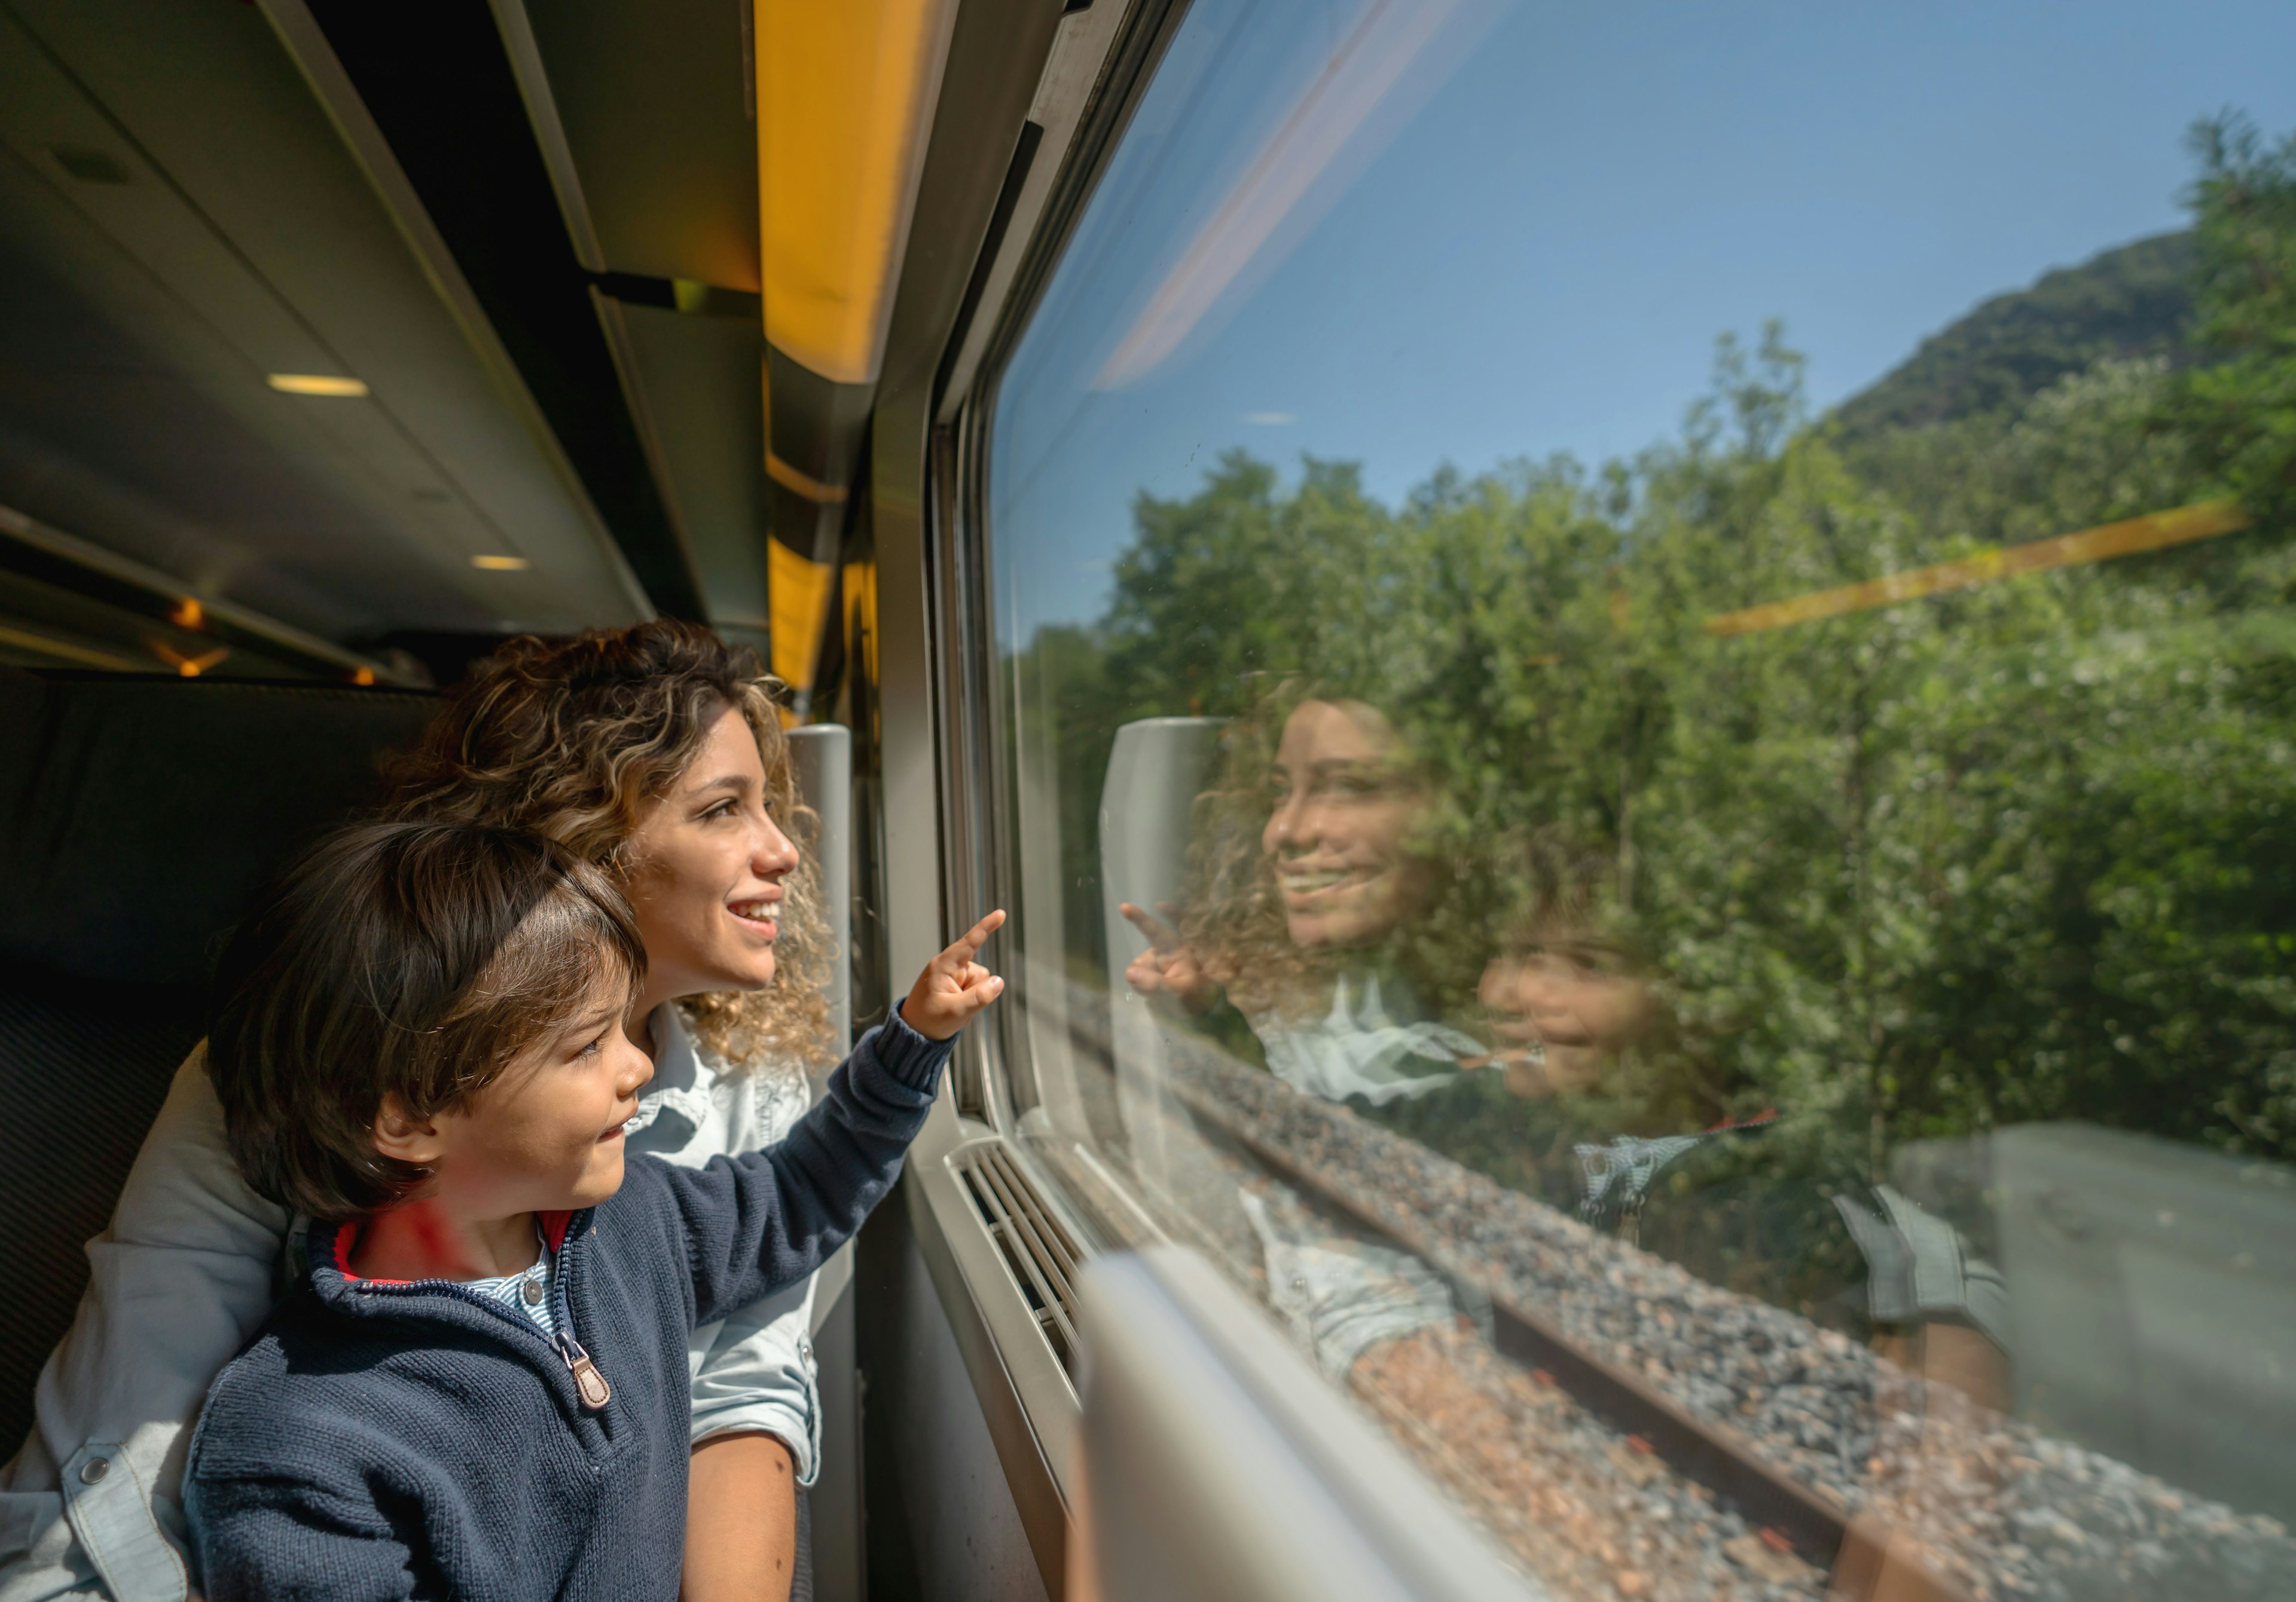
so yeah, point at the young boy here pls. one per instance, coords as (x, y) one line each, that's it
(479, 1391)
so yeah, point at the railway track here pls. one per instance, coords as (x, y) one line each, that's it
(1865, 1481)
(1711, 1454)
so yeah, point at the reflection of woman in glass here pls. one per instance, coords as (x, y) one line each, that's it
(1314, 911)
(1310, 916)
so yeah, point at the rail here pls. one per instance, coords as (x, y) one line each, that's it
(1788, 1513)
(1790, 1458)
(1712, 1454)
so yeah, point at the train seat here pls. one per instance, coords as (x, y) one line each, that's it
(137, 817)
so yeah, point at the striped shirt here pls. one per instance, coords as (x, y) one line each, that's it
(529, 1292)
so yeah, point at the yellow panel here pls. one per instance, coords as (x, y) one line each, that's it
(2155, 532)
(798, 591)
(843, 94)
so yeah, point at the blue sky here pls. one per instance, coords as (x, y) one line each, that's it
(1533, 233)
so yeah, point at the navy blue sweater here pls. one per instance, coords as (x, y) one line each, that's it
(388, 1440)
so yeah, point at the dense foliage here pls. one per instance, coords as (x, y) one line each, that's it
(2022, 852)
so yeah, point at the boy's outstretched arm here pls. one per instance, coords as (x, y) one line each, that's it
(756, 1222)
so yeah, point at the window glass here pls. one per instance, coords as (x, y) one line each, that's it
(1648, 702)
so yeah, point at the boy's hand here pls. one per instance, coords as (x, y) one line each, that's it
(953, 986)
(1170, 966)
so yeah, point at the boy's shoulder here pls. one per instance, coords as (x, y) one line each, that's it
(655, 1189)
(320, 1395)
(647, 1222)
(647, 1201)
(295, 1393)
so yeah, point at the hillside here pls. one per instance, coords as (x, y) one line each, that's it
(2134, 300)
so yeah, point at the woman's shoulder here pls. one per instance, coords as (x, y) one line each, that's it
(730, 1103)
(760, 1098)
(185, 1188)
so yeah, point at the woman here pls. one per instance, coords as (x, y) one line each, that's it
(655, 752)
(1316, 911)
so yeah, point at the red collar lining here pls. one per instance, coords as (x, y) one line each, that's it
(347, 1235)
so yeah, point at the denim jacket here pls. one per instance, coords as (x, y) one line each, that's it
(193, 1261)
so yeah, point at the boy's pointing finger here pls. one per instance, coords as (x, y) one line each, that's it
(977, 936)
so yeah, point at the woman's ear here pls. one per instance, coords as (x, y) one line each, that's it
(407, 1139)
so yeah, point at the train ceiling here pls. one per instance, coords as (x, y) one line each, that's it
(373, 326)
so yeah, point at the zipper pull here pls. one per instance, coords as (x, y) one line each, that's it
(591, 1384)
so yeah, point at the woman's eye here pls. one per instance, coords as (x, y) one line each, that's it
(724, 809)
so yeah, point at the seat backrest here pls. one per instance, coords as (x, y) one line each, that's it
(138, 816)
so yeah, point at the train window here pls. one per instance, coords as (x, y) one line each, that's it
(1648, 695)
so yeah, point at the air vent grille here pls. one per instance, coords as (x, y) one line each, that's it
(1043, 1255)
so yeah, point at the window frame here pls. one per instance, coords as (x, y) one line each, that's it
(996, 1076)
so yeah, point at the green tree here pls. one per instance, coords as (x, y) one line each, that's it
(2023, 851)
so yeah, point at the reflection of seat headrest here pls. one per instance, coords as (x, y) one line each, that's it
(139, 815)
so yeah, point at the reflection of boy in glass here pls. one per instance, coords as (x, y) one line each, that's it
(1566, 994)
(1571, 996)
(1571, 1006)
(1599, 1094)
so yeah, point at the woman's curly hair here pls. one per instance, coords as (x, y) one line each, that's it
(574, 740)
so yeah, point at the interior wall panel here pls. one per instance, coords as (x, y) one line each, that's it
(942, 1524)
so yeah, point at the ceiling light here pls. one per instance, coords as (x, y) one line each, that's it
(501, 564)
(189, 668)
(315, 383)
(843, 90)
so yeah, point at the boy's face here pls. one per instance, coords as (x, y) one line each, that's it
(547, 1136)
(1578, 1002)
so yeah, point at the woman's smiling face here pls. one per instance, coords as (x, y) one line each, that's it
(705, 870)
(1344, 809)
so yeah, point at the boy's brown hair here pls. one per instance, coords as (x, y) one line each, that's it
(414, 959)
